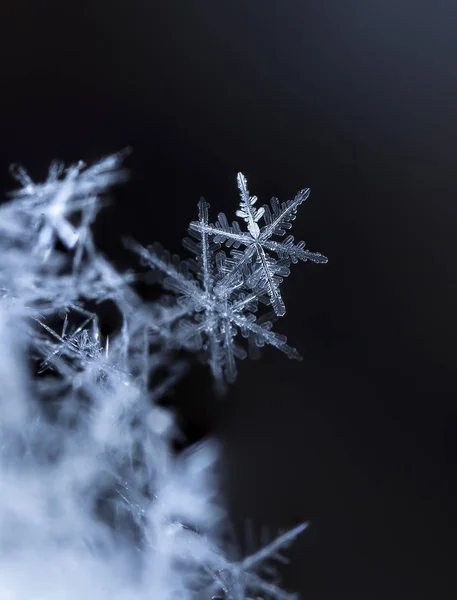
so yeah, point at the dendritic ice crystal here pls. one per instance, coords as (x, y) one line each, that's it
(219, 295)
(95, 500)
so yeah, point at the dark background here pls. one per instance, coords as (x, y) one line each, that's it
(357, 100)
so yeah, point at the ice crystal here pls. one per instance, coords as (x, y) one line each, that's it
(95, 502)
(218, 295)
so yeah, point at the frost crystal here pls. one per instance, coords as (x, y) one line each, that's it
(95, 502)
(218, 295)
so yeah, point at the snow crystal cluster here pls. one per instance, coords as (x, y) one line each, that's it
(95, 502)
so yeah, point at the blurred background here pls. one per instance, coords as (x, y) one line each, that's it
(357, 100)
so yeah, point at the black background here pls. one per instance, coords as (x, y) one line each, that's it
(357, 100)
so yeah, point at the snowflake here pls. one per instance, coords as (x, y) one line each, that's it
(67, 195)
(219, 295)
(255, 575)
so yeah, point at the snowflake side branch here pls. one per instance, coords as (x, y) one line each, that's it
(222, 234)
(282, 541)
(206, 266)
(282, 214)
(183, 284)
(269, 337)
(247, 210)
